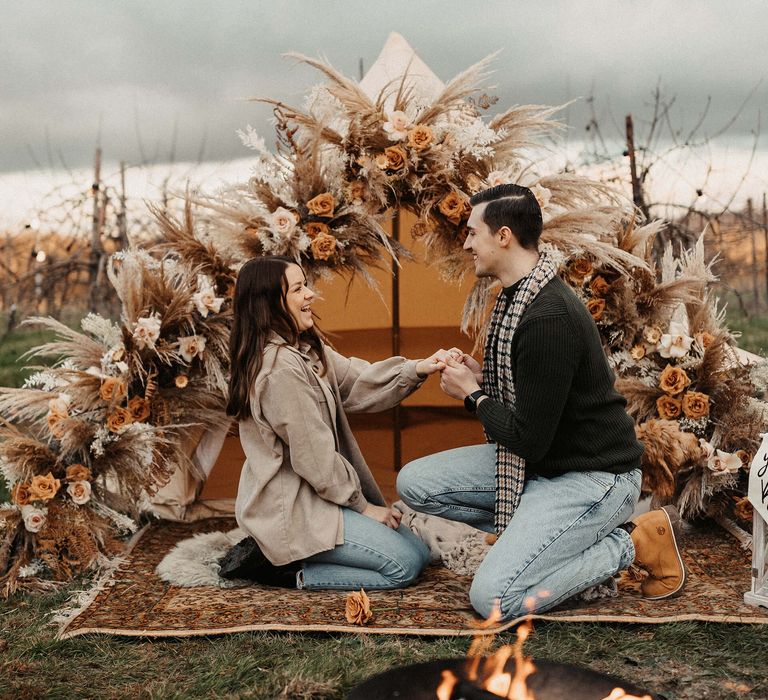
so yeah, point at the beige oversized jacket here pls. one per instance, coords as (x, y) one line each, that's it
(302, 461)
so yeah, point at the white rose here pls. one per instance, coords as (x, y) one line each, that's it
(283, 221)
(191, 346)
(79, 492)
(147, 331)
(674, 345)
(724, 462)
(206, 300)
(396, 126)
(34, 518)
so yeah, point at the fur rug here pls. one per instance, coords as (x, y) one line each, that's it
(459, 547)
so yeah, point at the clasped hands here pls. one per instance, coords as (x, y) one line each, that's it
(460, 374)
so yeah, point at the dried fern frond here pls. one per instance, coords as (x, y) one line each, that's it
(79, 348)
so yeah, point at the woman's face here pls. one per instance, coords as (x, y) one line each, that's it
(299, 297)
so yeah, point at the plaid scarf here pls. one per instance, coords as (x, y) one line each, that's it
(499, 384)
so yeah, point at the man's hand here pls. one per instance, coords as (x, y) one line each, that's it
(474, 365)
(458, 379)
(386, 515)
(436, 361)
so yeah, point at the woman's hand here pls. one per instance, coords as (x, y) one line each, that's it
(386, 515)
(436, 361)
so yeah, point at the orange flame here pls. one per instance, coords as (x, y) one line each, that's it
(619, 694)
(446, 686)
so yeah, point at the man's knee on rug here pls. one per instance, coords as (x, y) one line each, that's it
(411, 485)
(512, 596)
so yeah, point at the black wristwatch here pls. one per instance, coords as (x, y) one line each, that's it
(470, 402)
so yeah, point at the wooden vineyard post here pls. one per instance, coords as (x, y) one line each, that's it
(758, 497)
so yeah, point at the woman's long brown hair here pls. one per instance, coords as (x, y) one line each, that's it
(259, 309)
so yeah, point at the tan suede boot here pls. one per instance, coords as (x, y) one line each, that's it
(657, 537)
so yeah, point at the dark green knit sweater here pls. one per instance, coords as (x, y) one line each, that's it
(568, 416)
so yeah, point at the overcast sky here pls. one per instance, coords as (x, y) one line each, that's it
(131, 73)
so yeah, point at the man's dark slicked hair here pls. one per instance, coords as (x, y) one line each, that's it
(514, 206)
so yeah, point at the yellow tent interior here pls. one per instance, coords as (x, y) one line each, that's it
(359, 322)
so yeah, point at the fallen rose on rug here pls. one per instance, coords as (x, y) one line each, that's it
(135, 601)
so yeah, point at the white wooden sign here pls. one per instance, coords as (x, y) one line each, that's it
(758, 497)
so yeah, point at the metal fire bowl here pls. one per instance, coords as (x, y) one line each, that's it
(551, 681)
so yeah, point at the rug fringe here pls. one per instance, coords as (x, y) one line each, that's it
(80, 600)
(730, 526)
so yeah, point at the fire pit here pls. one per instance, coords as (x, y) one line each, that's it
(549, 681)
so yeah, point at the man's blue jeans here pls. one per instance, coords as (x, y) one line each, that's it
(372, 556)
(562, 539)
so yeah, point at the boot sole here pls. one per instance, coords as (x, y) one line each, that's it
(673, 517)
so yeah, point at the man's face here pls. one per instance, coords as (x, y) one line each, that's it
(481, 243)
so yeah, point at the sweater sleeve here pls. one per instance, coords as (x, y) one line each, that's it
(290, 405)
(373, 386)
(547, 353)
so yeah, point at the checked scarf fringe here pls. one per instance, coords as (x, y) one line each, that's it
(499, 384)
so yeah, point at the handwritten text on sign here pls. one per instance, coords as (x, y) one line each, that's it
(758, 480)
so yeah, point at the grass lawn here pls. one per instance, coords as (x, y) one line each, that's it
(681, 660)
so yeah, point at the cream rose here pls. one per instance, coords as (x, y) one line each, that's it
(542, 194)
(191, 346)
(147, 331)
(282, 221)
(724, 462)
(675, 343)
(396, 125)
(34, 518)
(205, 300)
(79, 492)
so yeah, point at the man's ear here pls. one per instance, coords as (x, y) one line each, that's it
(505, 236)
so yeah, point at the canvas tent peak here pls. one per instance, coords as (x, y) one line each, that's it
(397, 58)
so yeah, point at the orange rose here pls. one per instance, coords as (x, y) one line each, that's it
(704, 339)
(745, 457)
(395, 158)
(357, 190)
(55, 420)
(695, 405)
(139, 408)
(43, 488)
(637, 352)
(454, 207)
(323, 246)
(578, 270)
(322, 205)
(673, 380)
(78, 472)
(112, 388)
(596, 307)
(668, 407)
(358, 608)
(599, 287)
(118, 419)
(315, 228)
(742, 508)
(20, 494)
(420, 137)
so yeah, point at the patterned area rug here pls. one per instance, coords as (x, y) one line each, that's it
(133, 601)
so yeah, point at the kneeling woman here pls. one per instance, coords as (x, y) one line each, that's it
(306, 495)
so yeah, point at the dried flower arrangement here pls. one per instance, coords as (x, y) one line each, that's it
(691, 397)
(297, 204)
(100, 430)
